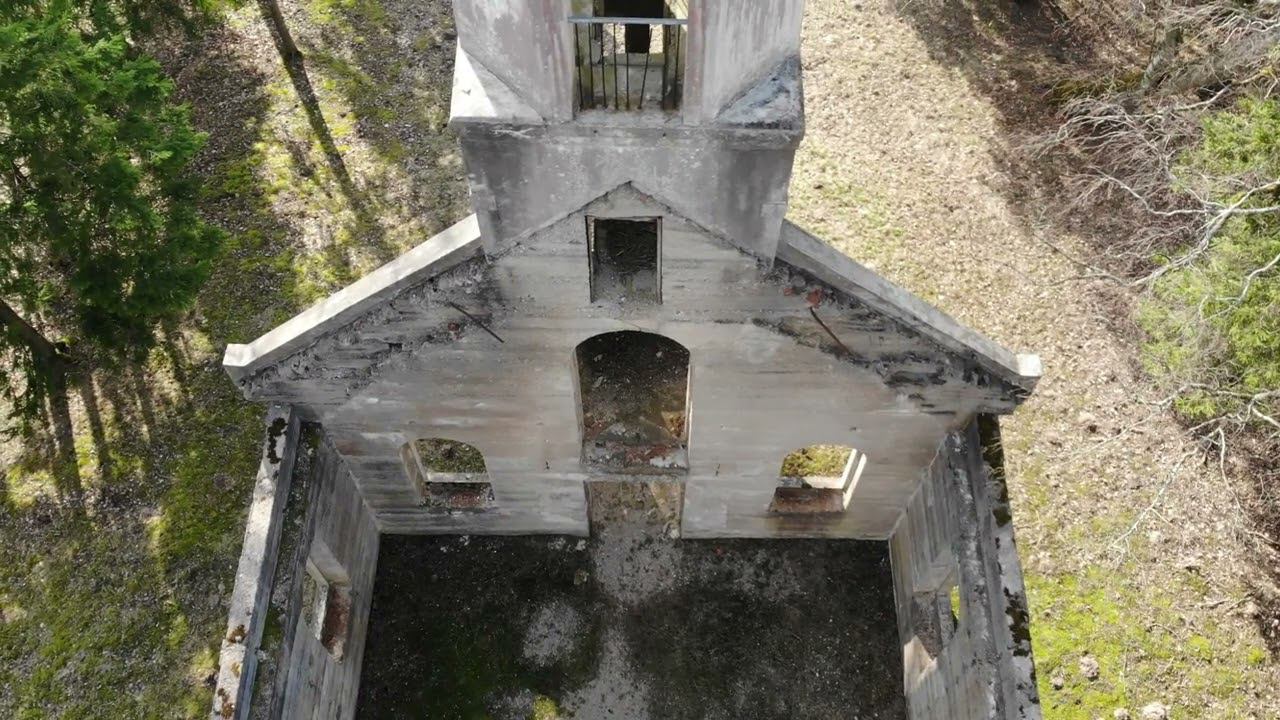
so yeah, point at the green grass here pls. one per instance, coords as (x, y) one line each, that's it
(1210, 323)
(816, 461)
(110, 611)
(448, 456)
(1145, 651)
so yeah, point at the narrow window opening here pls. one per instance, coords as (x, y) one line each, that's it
(936, 615)
(624, 259)
(634, 388)
(817, 480)
(448, 474)
(326, 600)
(949, 606)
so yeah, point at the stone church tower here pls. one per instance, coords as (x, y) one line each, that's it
(702, 108)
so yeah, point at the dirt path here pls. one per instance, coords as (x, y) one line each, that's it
(1130, 540)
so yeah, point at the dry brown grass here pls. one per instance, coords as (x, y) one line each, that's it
(918, 161)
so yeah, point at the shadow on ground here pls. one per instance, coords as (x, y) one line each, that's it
(631, 626)
(115, 606)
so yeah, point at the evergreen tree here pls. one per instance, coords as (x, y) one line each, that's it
(99, 234)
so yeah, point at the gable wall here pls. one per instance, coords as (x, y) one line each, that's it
(759, 388)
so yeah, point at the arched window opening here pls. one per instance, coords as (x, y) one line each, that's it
(818, 479)
(448, 474)
(634, 388)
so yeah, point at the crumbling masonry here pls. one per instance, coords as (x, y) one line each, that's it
(629, 303)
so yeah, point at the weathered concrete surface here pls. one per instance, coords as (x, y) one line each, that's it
(767, 378)
(631, 626)
(527, 44)
(247, 614)
(480, 96)
(812, 255)
(443, 251)
(732, 46)
(526, 176)
(957, 529)
(339, 533)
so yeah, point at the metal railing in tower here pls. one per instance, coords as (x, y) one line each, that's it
(625, 63)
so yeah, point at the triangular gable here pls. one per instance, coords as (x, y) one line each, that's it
(806, 252)
(446, 250)
(341, 342)
(643, 190)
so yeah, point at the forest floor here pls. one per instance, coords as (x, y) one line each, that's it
(916, 163)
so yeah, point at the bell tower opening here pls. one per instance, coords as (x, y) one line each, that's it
(637, 37)
(629, 54)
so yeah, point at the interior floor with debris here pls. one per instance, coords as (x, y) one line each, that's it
(631, 624)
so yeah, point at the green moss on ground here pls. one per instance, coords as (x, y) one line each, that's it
(1144, 651)
(1214, 325)
(816, 461)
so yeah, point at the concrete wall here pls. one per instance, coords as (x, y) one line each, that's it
(312, 683)
(733, 45)
(525, 43)
(766, 380)
(250, 599)
(521, 181)
(958, 526)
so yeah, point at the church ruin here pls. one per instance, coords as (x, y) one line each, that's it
(628, 304)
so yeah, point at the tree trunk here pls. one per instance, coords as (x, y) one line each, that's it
(1222, 66)
(44, 350)
(280, 31)
(53, 364)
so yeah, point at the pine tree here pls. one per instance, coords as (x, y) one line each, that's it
(99, 235)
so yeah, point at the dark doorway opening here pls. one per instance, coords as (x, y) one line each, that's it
(634, 389)
(624, 259)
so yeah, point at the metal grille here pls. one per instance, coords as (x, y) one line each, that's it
(629, 63)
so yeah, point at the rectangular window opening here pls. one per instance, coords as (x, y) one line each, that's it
(624, 257)
(629, 54)
(936, 615)
(326, 600)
